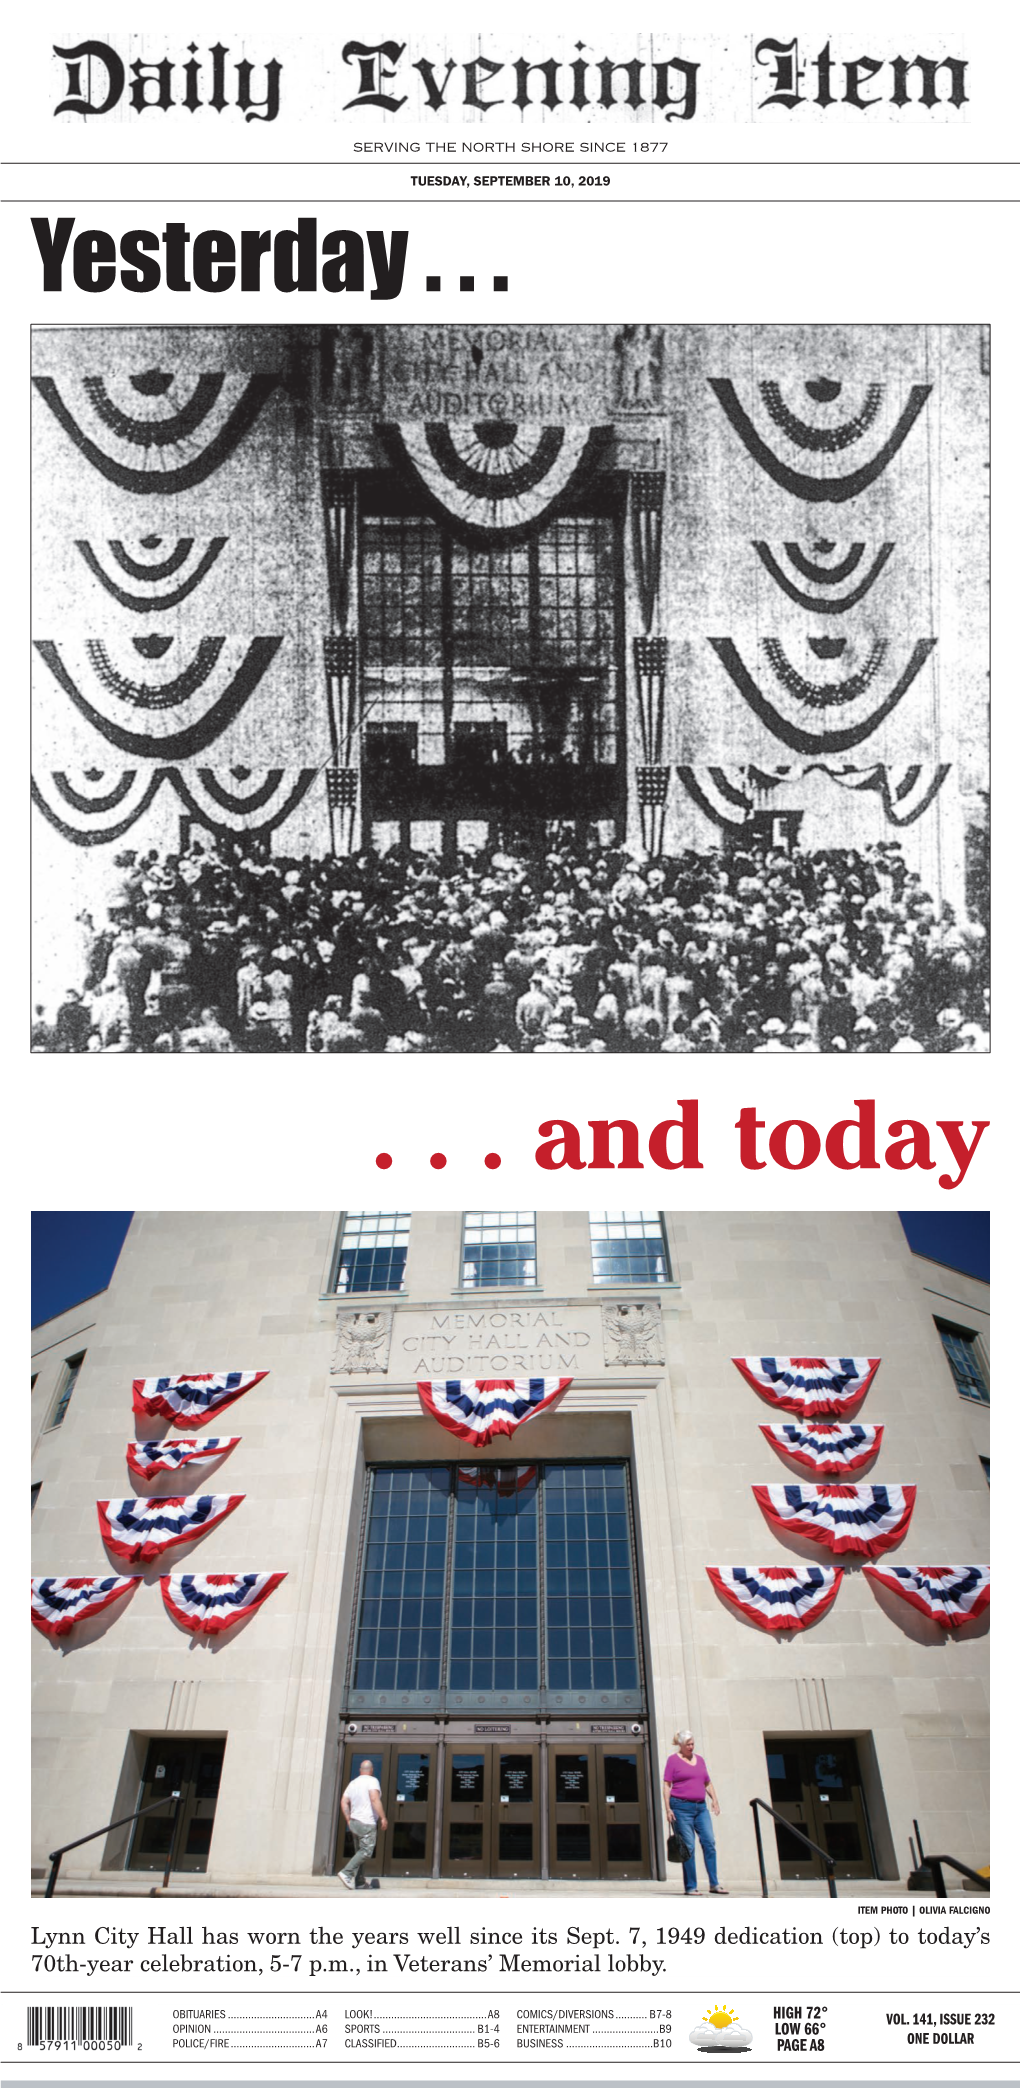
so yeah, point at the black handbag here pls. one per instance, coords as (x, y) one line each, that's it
(674, 1853)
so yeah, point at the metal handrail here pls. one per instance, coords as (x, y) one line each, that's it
(56, 1854)
(830, 1867)
(935, 1863)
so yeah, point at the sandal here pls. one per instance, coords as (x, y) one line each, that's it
(720, 1889)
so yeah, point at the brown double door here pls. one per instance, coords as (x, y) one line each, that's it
(407, 1774)
(816, 1786)
(598, 1813)
(192, 1767)
(491, 1811)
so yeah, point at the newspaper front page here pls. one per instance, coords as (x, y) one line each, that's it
(501, 542)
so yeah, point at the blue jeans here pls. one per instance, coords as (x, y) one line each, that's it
(692, 1818)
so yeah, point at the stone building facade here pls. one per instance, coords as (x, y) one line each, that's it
(513, 1639)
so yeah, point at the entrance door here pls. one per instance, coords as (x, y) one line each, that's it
(192, 1767)
(816, 1785)
(407, 1775)
(598, 1815)
(491, 1811)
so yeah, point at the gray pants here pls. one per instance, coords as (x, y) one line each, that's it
(364, 1846)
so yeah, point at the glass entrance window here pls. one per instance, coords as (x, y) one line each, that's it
(590, 1604)
(525, 634)
(572, 1779)
(413, 1776)
(516, 1775)
(403, 1580)
(467, 1777)
(494, 1604)
(485, 1585)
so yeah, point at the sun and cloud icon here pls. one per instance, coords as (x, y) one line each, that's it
(720, 2031)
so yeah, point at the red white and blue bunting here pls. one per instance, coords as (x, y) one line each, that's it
(143, 1529)
(149, 1460)
(60, 1602)
(195, 1396)
(825, 1447)
(810, 1385)
(948, 1595)
(862, 1519)
(211, 1602)
(777, 1598)
(497, 478)
(476, 1409)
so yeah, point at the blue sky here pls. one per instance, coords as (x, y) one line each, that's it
(959, 1238)
(74, 1252)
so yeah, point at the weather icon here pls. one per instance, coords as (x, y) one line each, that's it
(720, 2031)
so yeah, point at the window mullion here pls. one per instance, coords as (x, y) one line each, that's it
(444, 1644)
(543, 1669)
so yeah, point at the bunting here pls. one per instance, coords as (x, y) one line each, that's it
(148, 1460)
(239, 800)
(810, 1385)
(479, 1408)
(166, 434)
(499, 478)
(825, 1447)
(864, 1519)
(59, 1602)
(211, 1602)
(777, 1598)
(143, 1529)
(948, 1595)
(196, 704)
(194, 1396)
(822, 438)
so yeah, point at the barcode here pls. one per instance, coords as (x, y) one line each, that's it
(79, 2026)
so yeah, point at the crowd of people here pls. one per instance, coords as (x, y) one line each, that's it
(581, 948)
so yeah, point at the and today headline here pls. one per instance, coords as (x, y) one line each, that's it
(945, 1147)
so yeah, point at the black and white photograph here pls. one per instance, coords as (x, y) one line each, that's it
(510, 689)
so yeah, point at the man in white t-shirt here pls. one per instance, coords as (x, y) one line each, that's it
(362, 1809)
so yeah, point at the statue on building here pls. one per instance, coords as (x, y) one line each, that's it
(639, 349)
(632, 1333)
(362, 1341)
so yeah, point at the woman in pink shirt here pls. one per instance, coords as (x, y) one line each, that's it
(687, 1786)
